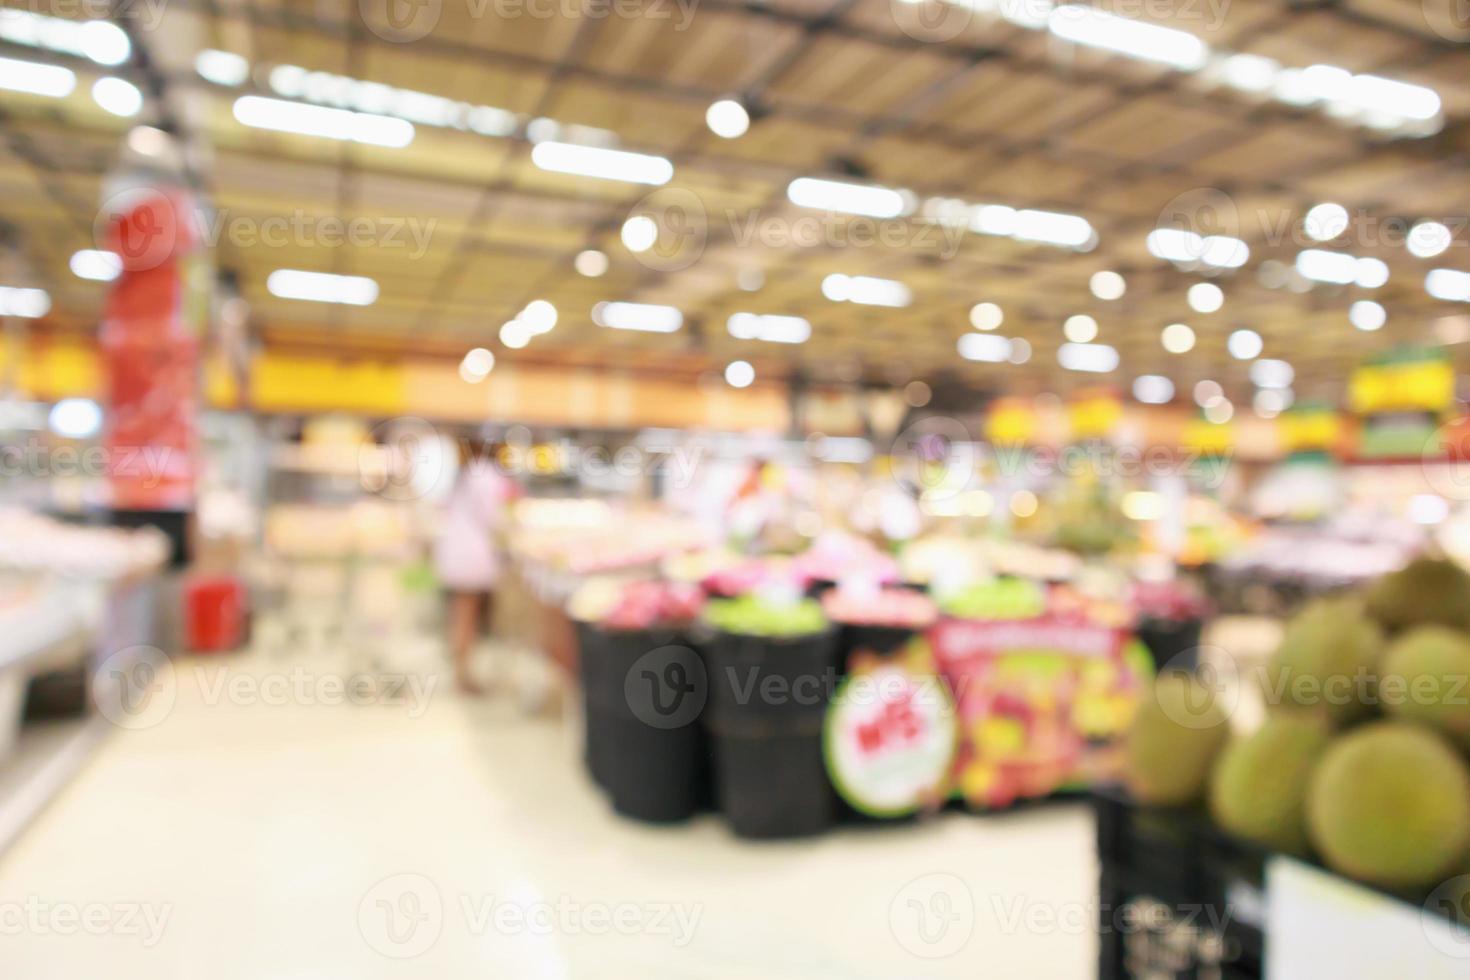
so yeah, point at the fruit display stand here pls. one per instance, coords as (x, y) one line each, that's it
(1178, 898)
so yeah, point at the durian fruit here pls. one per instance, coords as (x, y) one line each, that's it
(1175, 739)
(1426, 679)
(1258, 790)
(1426, 591)
(1327, 662)
(1389, 804)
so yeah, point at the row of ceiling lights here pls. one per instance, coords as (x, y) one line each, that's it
(1381, 103)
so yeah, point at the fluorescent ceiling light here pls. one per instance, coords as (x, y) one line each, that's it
(343, 92)
(1428, 239)
(739, 374)
(1080, 329)
(36, 79)
(1271, 402)
(1208, 392)
(515, 334)
(75, 418)
(95, 264)
(646, 317)
(1367, 315)
(590, 263)
(1188, 248)
(221, 67)
(639, 233)
(100, 41)
(1153, 389)
(1045, 227)
(1206, 297)
(1325, 222)
(835, 195)
(987, 347)
(1370, 273)
(1094, 358)
(1245, 345)
(1270, 373)
(727, 119)
(322, 287)
(327, 123)
(1107, 285)
(1053, 228)
(772, 328)
(866, 290)
(1250, 72)
(1133, 38)
(544, 130)
(1448, 284)
(539, 316)
(1323, 266)
(477, 365)
(29, 304)
(119, 97)
(603, 163)
(1177, 338)
(986, 316)
(1374, 94)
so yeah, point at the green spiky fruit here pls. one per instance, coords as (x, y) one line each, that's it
(1259, 787)
(1426, 679)
(1389, 804)
(1327, 662)
(1176, 737)
(1427, 590)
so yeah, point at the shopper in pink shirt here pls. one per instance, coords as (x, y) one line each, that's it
(466, 556)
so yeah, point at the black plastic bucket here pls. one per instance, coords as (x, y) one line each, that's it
(771, 777)
(767, 701)
(876, 639)
(757, 676)
(1172, 643)
(648, 753)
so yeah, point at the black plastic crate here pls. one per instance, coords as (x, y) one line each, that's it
(1181, 899)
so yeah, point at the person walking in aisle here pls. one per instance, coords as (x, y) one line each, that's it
(466, 555)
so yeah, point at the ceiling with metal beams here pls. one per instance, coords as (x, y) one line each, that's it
(981, 113)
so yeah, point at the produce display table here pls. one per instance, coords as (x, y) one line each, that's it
(1178, 898)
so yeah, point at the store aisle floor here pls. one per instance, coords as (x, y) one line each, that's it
(258, 831)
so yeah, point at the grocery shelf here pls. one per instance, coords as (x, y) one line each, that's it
(46, 757)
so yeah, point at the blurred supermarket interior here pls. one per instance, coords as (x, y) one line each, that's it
(724, 488)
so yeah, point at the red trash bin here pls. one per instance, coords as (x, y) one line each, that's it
(214, 613)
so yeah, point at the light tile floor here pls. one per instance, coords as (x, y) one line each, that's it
(243, 837)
